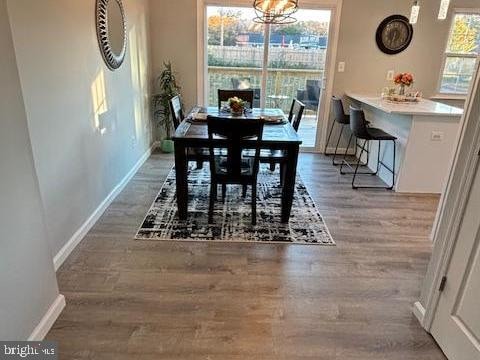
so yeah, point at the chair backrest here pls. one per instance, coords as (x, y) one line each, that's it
(242, 83)
(358, 124)
(313, 87)
(338, 111)
(235, 132)
(296, 113)
(245, 95)
(176, 110)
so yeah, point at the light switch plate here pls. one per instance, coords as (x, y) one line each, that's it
(437, 136)
(390, 75)
(341, 66)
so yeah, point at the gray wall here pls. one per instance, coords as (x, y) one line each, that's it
(80, 153)
(367, 66)
(27, 279)
(173, 27)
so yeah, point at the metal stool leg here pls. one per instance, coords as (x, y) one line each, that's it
(394, 163)
(379, 164)
(328, 139)
(336, 147)
(378, 157)
(345, 155)
(358, 165)
(346, 163)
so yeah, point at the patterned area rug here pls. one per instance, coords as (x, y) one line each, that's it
(232, 221)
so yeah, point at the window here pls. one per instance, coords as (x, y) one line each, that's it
(278, 63)
(463, 49)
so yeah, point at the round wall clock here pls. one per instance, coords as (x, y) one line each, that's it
(394, 34)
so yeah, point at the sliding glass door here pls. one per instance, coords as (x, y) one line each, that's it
(296, 67)
(279, 62)
(234, 51)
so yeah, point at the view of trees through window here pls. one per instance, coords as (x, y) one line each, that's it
(461, 54)
(294, 68)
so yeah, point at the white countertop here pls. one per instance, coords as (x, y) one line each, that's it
(423, 107)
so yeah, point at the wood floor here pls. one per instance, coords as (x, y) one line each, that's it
(130, 299)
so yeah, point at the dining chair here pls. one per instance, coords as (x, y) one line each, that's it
(233, 168)
(244, 83)
(199, 155)
(274, 157)
(245, 95)
(176, 109)
(296, 113)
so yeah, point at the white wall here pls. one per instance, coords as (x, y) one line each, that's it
(27, 280)
(61, 71)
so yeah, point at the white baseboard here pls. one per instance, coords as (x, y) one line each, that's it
(71, 244)
(42, 329)
(419, 312)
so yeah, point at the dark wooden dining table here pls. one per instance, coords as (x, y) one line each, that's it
(192, 133)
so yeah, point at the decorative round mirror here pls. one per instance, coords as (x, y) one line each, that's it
(111, 32)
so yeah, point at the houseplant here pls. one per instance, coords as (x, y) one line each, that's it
(167, 87)
(237, 105)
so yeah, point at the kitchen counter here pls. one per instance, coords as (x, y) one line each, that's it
(424, 107)
(427, 134)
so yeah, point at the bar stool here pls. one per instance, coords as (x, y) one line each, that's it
(360, 130)
(344, 121)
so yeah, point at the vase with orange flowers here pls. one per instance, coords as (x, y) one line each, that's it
(404, 80)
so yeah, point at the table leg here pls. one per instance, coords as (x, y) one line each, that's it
(288, 189)
(181, 166)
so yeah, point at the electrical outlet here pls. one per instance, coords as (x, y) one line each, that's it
(437, 136)
(341, 66)
(390, 75)
(133, 142)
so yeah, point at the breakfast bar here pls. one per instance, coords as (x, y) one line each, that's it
(427, 133)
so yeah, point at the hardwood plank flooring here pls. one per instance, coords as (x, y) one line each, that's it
(129, 299)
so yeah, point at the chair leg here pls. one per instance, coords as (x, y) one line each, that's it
(328, 139)
(336, 147)
(213, 196)
(378, 158)
(272, 166)
(282, 174)
(345, 155)
(358, 165)
(393, 168)
(199, 164)
(379, 164)
(254, 204)
(224, 192)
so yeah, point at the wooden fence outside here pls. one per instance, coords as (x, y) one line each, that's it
(292, 58)
(279, 82)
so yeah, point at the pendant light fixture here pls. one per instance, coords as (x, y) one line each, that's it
(443, 12)
(275, 11)
(415, 12)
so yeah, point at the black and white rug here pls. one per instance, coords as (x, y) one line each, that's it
(232, 219)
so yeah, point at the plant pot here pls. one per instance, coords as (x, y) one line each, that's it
(237, 111)
(167, 146)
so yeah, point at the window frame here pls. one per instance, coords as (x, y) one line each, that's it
(445, 55)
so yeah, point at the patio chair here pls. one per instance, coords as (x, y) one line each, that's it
(310, 96)
(244, 83)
